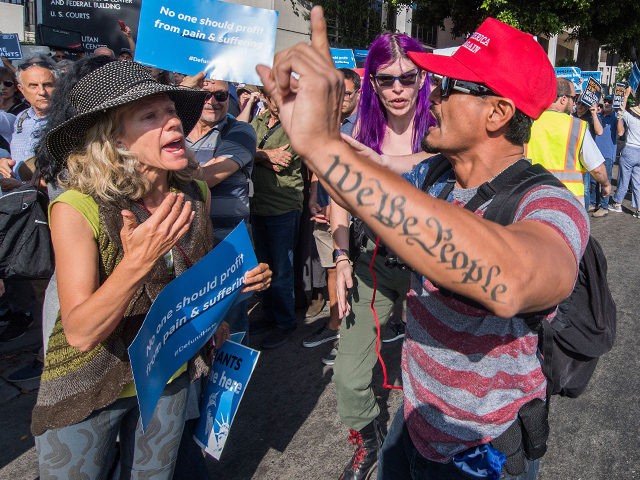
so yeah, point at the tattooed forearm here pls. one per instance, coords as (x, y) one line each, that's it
(390, 211)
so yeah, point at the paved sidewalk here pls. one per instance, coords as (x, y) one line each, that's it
(287, 426)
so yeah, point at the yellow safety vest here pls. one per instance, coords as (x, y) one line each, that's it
(556, 144)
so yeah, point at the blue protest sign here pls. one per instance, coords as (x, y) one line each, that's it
(237, 337)
(618, 95)
(231, 372)
(360, 55)
(634, 78)
(573, 74)
(225, 40)
(10, 46)
(343, 58)
(587, 74)
(186, 314)
(591, 93)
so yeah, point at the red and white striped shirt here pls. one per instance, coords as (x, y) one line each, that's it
(466, 372)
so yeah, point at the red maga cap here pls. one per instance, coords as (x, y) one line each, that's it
(508, 61)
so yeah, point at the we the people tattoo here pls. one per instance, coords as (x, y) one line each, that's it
(390, 211)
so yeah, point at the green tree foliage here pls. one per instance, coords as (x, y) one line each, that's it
(543, 17)
(350, 23)
(623, 72)
(592, 22)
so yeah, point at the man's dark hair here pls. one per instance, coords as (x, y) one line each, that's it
(519, 128)
(563, 88)
(353, 76)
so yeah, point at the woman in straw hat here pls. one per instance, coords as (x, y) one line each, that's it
(131, 220)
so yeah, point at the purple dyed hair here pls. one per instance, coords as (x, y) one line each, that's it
(372, 117)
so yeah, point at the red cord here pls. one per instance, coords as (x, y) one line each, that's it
(385, 383)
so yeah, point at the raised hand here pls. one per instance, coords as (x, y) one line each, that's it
(307, 88)
(147, 242)
(195, 81)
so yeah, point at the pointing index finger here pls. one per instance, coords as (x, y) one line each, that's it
(319, 40)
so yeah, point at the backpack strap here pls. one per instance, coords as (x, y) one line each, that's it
(505, 191)
(500, 183)
(503, 208)
(438, 166)
(266, 136)
(508, 186)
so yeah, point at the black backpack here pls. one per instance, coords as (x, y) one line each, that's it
(584, 327)
(25, 239)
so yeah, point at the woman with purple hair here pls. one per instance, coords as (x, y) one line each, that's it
(394, 106)
(393, 118)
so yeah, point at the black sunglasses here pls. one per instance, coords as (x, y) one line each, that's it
(448, 85)
(220, 96)
(406, 79)
(24, 66)
(8, 83)
(608, 100)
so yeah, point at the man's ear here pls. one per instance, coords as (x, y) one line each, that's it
(501, 112)
(564, 100)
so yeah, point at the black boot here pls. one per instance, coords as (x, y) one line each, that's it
(363, 463)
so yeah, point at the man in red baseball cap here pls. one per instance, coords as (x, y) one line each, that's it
(469, 360)
(507, 61)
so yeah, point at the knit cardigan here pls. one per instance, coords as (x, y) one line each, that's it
(74, 384)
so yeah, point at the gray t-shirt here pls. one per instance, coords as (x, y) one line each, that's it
(632, 126)
(230, 198)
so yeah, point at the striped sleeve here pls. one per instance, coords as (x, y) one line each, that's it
(560, 209)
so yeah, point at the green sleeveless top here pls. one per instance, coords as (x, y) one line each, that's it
(74, 383)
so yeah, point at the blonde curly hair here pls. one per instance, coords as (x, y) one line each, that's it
(108, 173)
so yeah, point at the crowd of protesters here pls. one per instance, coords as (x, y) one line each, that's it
(208, 154)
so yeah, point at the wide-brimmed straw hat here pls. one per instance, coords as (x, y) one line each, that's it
(113, 85)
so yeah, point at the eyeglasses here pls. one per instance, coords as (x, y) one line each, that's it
(406, 79)
(8, 83)
(448, 85)
(24, 66)
(608, 100)
(220, 96)
(349, 94)
(573, 98)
